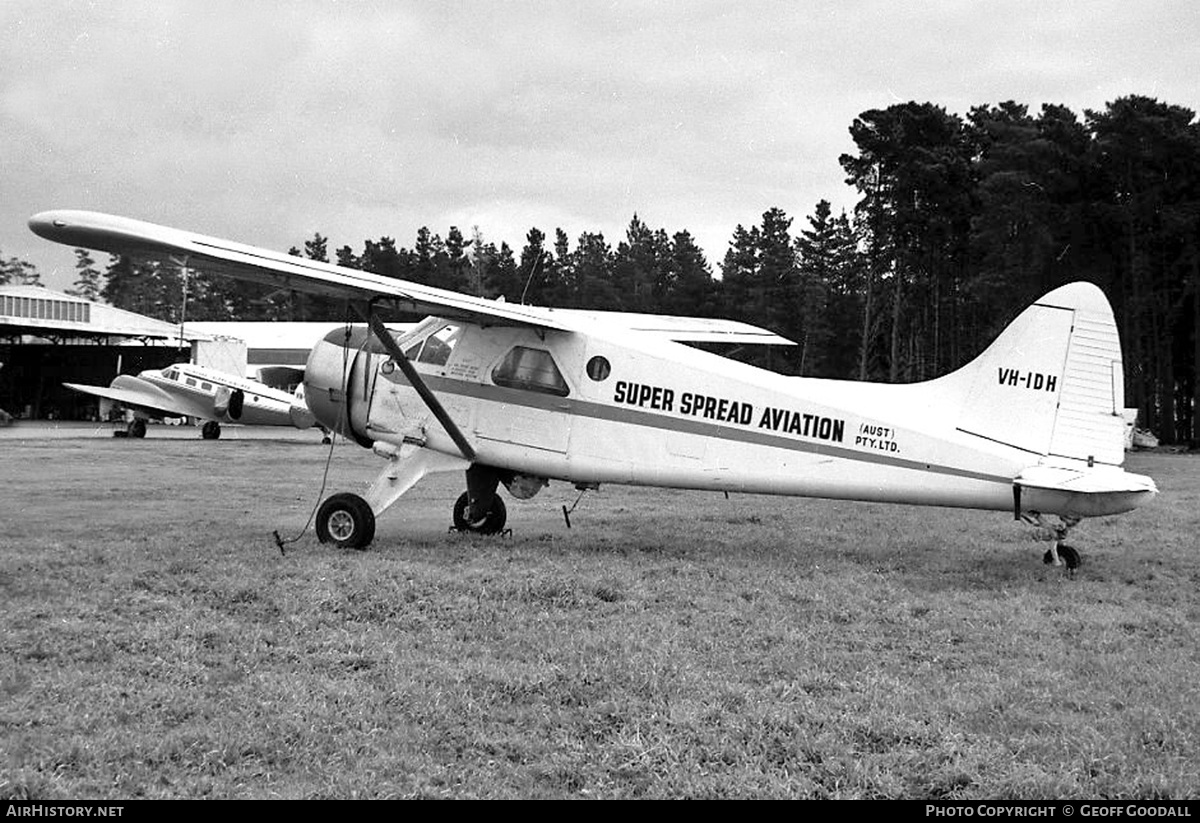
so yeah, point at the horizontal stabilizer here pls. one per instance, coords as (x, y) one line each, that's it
(1098, 480)
(1084, 492)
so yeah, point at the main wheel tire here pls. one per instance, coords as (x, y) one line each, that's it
(346, 521)
(491, 523)
(210, 430)
(137, 428)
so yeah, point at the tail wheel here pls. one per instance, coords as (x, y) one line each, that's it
(1069, 556)
(346, 521)
(210, 430)
(491, 523)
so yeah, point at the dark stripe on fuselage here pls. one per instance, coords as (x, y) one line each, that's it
(635, 417)
(250, 393)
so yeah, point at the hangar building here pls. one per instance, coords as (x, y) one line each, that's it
(49, 337)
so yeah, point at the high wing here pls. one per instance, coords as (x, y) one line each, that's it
(144, 396)
(142, 240)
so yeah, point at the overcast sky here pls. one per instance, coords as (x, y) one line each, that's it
(265, 122)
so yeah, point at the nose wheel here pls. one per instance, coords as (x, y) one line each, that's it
(346, 521)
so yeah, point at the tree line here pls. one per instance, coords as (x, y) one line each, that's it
(960, 223)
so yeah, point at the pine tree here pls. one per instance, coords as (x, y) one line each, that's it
(88, 279)
(591, 264)
(640, 268)
(691, 290)
(532, 286)
(19, 272)
(738, 272)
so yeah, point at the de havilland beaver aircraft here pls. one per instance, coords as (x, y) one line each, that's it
(520, 395)
(189, 390)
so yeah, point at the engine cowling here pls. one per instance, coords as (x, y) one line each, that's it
(339, 378)
(229, 403)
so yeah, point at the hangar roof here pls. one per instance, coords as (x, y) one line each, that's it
(276, 343)
(38, 311)
(267, 334)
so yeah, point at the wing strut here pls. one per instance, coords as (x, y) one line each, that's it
(414, 379)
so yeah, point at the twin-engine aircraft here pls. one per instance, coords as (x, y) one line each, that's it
(189, 390)
(519, 395)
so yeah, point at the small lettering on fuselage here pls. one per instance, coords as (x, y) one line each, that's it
(1028, 380)
(728, 410)
(876, 438)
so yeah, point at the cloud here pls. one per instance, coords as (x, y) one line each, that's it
(267, 121)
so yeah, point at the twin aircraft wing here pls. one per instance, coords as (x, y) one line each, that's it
(140, 395)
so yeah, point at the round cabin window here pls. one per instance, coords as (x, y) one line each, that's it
(598, 368)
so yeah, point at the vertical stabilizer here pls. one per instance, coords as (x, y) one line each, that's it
(1052, 383)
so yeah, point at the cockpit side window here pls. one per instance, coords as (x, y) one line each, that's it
(439, 345)
(361, 337)
(530, 369)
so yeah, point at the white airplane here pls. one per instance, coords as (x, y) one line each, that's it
(521, 395)
(188, 390)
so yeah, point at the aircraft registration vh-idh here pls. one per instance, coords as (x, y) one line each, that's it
(519, 395)
(190, 390)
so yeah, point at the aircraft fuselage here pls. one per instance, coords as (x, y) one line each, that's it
(210, 394)
(591, 409)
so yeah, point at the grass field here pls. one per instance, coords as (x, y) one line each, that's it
(157, 644)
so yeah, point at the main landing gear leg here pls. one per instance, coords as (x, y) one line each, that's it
(348, 521)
